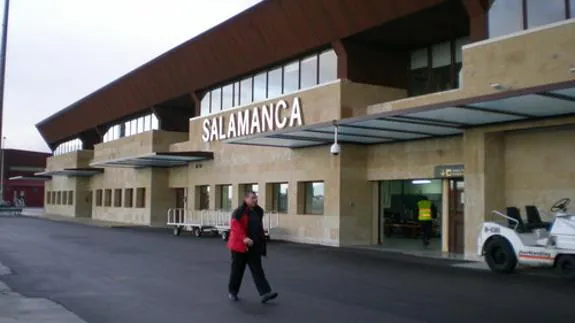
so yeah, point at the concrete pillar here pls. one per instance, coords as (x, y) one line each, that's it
(484, 181)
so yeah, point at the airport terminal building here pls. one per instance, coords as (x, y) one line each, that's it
(470, 103)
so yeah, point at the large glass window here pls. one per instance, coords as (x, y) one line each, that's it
(284, 79)
(203, 197)
(436, 68)
(441, 67)
(227, 96)
(205, 104)
(216, 105)
(505, 17)
(544, 12)
(571, 8)
(327, 66)
(280, 197)
(68, 147)
(246, 90)
(309, 72)
(398, 208)
(132, 127)
(314, 197)
(275, 82)
(226, 197)
(419, 76)
(260, 87)
(291, 77)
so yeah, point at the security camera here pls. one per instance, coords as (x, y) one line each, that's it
(335, 149)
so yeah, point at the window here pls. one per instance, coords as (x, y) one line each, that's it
(216, 96)
(155, 122)
(260, 88)
(246, 93)
(275, 82)
(70, 198)
(108, 197)
(544, 12)
(505, 17)
(118, 197)
(313, 197)
(148, 122)
(226, 197)
(205, 104)
(141, 197)
(68, 146)
(59, 198)
(308, 72)
(48, 197)
(436, 68)
(291, 77)
(203, 197)
(280, 197)
(327, 66)
(227, 96)
(571, 8)
(509, 16)
(128, 197)
(98, 197)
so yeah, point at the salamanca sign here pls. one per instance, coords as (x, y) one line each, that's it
(252, 121)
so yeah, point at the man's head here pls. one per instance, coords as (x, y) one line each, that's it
(251, 199)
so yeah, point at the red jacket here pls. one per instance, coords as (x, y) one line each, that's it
(239, 228)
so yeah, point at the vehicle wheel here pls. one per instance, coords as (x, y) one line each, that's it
(500, 256)
(566, 266)
(197, 232)
(177, 231)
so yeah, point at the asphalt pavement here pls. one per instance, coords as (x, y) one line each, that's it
(122, 275)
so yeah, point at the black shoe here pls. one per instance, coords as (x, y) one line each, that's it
(233, 297)
(269, 296)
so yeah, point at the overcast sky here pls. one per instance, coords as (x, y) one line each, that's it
(61, 50)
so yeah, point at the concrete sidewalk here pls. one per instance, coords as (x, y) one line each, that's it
(17, 308)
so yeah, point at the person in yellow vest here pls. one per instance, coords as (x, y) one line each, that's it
(424, 215)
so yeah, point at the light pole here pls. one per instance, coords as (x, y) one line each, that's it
(2, 178)
(3, 60)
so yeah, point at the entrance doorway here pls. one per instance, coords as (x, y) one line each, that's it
(399, 227)
(456, 218)
(180, 198)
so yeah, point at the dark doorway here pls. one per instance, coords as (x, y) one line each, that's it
(456, 219)
(180, 197)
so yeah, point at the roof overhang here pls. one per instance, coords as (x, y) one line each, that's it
(39, 178)
(160, 160)
(72, 172)
(439, 120)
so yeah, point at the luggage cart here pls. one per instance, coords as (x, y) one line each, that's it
(198, 222)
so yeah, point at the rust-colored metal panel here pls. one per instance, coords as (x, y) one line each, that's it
(272, 31)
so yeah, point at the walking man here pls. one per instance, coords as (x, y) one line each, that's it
(247, 243)
(425, 219)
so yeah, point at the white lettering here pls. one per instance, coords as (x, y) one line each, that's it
(206, 130)
(232, 126)
(222, 135)
(214, 130)
(267, 117)
(257, 120)
(255, 128)
(295, 113)
(243, 123)
(281, 105)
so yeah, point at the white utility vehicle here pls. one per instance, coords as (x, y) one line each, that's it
(531, 244)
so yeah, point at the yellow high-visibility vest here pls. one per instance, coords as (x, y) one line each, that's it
(424, 207)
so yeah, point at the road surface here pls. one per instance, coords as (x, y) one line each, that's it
(123, 275)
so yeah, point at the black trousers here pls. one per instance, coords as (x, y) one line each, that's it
(254, 260)
(426, 230)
